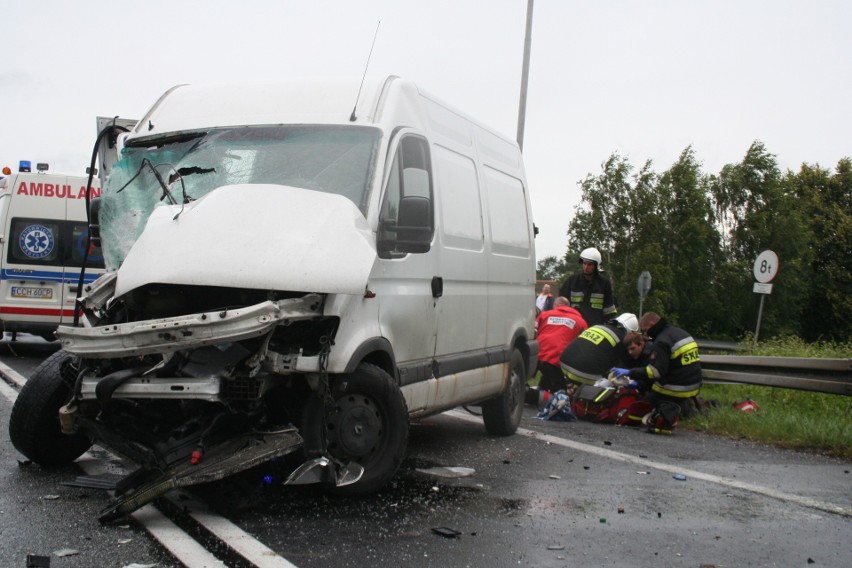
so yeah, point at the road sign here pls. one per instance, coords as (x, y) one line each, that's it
(643, 285)
(761, 288)
(766, 266)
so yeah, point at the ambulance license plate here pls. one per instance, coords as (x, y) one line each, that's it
(28, 292)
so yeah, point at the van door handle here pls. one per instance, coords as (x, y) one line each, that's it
(437, 286)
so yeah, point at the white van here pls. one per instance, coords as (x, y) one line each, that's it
(284, 273)
(44, 238)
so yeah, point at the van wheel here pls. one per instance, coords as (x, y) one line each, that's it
(502, 414)
(34, 422)
(365, 420)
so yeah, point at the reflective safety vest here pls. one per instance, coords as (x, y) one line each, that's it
(593, 353)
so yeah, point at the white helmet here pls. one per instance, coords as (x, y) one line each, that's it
(628, 321)
(591, 255)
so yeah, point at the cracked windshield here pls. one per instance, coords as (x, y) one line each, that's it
(177, 170)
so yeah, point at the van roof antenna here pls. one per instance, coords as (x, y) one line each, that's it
(352, 117)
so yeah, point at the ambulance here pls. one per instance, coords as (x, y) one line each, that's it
(43, 244)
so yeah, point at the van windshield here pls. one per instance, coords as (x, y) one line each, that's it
(182, 168)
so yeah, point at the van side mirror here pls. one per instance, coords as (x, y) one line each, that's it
(94, 221)
(412, 230)
(414, 224)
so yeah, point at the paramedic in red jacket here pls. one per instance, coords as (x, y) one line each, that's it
(555, 329)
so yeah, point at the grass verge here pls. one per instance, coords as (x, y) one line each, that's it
(788, 418)
(791, 419)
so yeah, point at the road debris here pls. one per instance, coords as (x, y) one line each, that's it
(679, 477)
(36, 561)
(66, 552)
(446, 532)
(747, 405)
(450, 472)
(555, 476)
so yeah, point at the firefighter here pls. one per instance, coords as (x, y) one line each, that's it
(597, 350)
(589, 291)
(673, 372)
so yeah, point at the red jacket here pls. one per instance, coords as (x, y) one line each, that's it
(555, 329)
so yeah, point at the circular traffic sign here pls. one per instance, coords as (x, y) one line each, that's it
(766, 266)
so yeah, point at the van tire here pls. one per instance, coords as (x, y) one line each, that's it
(370, 401)
(34, 422)
(502, 414)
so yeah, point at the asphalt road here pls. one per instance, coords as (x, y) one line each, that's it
(555, 494)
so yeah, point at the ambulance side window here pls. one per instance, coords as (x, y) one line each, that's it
(79, 232)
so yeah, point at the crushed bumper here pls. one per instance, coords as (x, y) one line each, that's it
(186, 332)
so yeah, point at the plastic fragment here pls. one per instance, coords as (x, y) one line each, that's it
(643, 472)
(446, 532)
(603, 520)
(556, 547)
(555, 477)
(679, 477)
(450, 472)
(37, 561)
(66, 552)
(50, 497)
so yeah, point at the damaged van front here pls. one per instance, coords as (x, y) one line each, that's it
(264, 296)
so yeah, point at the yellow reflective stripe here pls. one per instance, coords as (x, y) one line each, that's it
(683, 346)
(676, 393)
(603, 394)
(572, 375)
(652, 372)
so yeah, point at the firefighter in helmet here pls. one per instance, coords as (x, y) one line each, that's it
(589, 291)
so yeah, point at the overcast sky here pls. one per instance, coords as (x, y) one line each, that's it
(644, 78)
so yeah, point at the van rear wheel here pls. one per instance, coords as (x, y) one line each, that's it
(34, 422)
(502, 415)
(365, 420)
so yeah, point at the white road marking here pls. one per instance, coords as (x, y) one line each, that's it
(644, 462)
(240, 541)
(187, 550)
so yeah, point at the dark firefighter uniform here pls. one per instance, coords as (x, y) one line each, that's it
(673, 368)
(594, 353)
(592, 298)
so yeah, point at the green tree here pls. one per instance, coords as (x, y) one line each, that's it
(759, 210)
(827, 203)
(550, 268)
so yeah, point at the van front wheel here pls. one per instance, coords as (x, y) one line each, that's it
(34, 422)
(502, 414)
(365, 420)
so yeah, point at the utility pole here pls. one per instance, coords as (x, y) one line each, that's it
(522, 104)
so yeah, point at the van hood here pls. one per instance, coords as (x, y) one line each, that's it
(257, 236)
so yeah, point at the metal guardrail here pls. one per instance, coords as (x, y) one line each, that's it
(832, 376)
